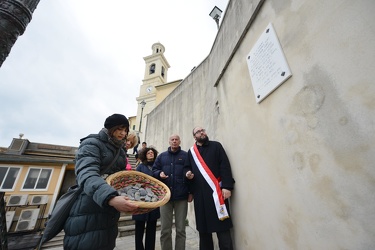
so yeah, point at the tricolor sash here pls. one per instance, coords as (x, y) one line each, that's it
(221, 209)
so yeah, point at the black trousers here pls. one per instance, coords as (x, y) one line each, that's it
(150, 235)
(224, 237)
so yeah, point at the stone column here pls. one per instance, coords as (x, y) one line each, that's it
(15, 15)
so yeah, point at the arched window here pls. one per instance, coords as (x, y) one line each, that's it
(162, 71)
(152, 68)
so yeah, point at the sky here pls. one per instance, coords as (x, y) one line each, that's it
(80, 61)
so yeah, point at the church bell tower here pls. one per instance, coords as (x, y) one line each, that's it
(156, 72)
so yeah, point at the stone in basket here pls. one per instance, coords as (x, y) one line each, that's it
(123, 179)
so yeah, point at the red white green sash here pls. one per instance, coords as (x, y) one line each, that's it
(221, 209)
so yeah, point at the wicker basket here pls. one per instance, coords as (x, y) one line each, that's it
(124, 178)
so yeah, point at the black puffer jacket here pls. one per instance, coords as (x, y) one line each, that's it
(172, 164)
(92, 223)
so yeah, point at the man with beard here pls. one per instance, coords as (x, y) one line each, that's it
(208, 169)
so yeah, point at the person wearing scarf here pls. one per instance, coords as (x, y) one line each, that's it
(92, 221)
(209, 172)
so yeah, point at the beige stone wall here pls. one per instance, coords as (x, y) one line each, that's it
(303, 159)
(163, 90)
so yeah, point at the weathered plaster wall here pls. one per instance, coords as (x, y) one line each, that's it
(303, 159)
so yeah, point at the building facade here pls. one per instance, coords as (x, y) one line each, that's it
(33, 176)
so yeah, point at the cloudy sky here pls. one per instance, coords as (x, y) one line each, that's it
(80, 61)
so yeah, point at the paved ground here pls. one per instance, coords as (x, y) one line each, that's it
(128, 242)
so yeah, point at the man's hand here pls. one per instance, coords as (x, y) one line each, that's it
(189, 175)
(122, 204)
(163, 176)
(190, 198)
(226, 193)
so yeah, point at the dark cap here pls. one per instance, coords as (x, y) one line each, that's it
(115, 120)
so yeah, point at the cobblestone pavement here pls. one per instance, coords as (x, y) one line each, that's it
(128, 242)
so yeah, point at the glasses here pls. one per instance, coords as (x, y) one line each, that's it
(200, 131)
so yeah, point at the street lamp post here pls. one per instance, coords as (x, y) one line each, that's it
(143, 104)
(14, 17)
(216, 14)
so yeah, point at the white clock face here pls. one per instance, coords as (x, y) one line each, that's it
(149, 89)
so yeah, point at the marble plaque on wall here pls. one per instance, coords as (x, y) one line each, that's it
(267, 64)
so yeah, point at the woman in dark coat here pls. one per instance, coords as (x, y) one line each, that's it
(92, 222)
(147, 156)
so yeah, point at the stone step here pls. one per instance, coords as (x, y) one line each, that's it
(55, 243)
(126, 227)
(130, 229)
(132, 160)
(125, 220)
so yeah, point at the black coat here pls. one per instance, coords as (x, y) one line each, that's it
(216, 159)
(154, 214)
(92, 223)
(172, 164)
